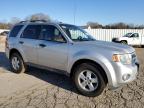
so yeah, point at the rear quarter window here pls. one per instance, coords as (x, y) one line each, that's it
(14, 32)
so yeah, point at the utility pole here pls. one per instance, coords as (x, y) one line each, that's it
(75, 9)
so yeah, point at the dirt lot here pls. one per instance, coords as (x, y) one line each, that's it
(42, 89)
(2, 39)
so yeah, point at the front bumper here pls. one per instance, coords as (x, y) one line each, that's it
(124, 74)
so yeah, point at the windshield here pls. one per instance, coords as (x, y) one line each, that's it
(127, 35)
(75, 33)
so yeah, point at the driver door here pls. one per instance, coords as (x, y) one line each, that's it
(135, 39)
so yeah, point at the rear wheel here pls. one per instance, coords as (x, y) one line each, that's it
(17, 63)
(88, 80)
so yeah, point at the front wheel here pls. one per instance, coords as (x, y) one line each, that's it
(124, 42)
(17, 63)
(88, 80)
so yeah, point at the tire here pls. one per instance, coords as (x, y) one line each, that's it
(17, 63)
(124, 42)
(87, 90)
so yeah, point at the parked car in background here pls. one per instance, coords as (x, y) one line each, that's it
(130, 39)
(69, 50)
(4, 33)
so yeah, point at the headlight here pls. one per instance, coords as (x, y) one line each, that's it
(124, 59)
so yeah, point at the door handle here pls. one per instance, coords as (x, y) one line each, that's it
(21, 42)
(42, 45)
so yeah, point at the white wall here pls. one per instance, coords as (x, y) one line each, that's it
(108, 34)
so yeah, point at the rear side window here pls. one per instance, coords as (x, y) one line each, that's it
(32, 32)
(135, 35)
(15, 31)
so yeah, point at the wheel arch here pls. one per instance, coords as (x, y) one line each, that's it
(78, 62)
(15, 51)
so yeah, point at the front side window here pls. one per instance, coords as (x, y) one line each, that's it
(51, 33)
(136, 35)
(15, 31)
(32, 32)
(75, 33)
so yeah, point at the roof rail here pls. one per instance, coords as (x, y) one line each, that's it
(23, 21)
(38, 21)
(33, 21)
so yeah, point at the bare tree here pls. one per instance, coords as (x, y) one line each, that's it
(94, 25)
(38, 16)
(119, 26)
(15, 20)
(3, 26)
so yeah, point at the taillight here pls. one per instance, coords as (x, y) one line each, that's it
(6, 43)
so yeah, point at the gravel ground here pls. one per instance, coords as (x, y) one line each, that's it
(42, 89)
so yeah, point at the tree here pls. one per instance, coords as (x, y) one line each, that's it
(119, 26)
(39, 16)
(94, 25)
(15, 20)
(3, 26)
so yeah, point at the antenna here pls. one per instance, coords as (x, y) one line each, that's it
(75, 9)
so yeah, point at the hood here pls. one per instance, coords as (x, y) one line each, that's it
(108, 46)
(120, 38)
(123, 37)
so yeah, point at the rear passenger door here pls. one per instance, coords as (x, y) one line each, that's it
(13, 34)
(28, 42)
(53, 48)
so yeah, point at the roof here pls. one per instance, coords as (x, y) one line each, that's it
(37, 22)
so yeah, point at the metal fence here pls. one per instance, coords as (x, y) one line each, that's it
(108, 34)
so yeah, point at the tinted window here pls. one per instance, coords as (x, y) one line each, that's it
(135, 35)
(32, 32)
(15, 30)
(51, 33)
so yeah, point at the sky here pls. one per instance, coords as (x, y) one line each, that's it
(101, 11)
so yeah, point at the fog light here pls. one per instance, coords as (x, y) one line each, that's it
(126, 77)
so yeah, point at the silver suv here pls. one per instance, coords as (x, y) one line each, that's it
(69, 50)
